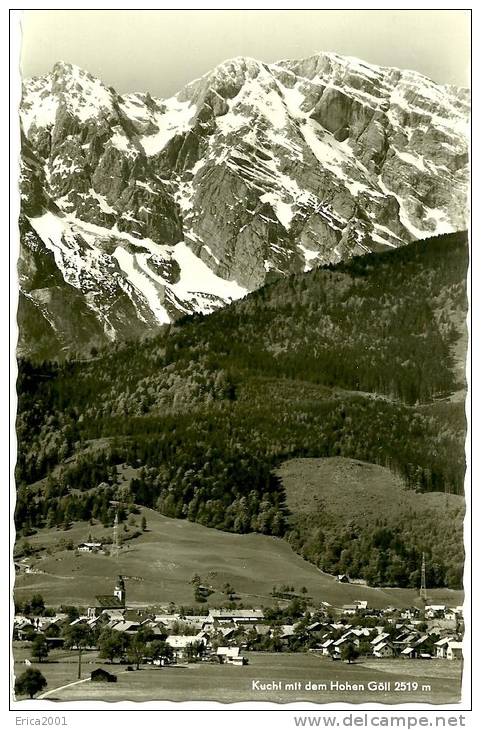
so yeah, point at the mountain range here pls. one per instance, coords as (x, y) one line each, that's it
(136, 211)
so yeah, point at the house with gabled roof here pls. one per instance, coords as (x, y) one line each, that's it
(108, 616)
(226, 631)
(230, 655)
(262, 629)
(286, 631)
(434, 611)
(454, 651)
(442, 647)
(362, 631)
(379, 639)
(22, 627)
(421, 647)
(198, 618)
(127, 627)
(452, 614)
(167, 618)
(239, 616)
(362, 605)
(327, 646)
(352, 636)
(89, 547)
(410, 613)
(405, 639)
(180, 644)
(137, 614)
(383, 649)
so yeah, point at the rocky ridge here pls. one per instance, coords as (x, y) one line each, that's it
(136, 210)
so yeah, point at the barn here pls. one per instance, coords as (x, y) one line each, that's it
(100, 675)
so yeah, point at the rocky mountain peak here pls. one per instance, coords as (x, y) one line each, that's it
(150, 208)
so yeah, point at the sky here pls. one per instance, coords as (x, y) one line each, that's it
(162, 50)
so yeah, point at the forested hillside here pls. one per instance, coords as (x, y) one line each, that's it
(360, 360)
(349, 516)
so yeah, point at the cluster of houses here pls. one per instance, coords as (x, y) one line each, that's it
(214, 632)
(409, 643)
(223, 634)
(410, 633)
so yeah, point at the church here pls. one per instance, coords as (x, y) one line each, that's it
(116, 601)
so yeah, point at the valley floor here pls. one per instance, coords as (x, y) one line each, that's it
(290, 676)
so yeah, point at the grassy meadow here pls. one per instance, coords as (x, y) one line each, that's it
(226, 683)
(159, 564)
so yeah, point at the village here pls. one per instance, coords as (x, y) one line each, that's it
(133, 636)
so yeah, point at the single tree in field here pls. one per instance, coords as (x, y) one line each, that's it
(195, 650)
(349, 653)
(159, 649)
(40, 647)
(136, 650)
(365, 648)
(111, 644)
(143, 523)
(26, 548)
(37, 605)
(29, 633)
(71, 611)
(30, 682)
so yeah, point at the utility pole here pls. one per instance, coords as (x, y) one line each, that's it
(116, 544)
(423, 594)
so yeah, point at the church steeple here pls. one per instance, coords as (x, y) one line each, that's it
(119, 591)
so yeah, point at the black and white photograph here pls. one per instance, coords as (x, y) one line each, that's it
(241, 335)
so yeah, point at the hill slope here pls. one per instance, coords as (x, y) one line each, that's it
(354, 517)
(159, 565)
(360, 360)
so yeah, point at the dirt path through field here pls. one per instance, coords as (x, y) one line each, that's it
(57, 689)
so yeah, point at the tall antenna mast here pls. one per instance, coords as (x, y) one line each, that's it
(116, 542)
(423, 592)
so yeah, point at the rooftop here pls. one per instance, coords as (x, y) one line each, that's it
(108, 601)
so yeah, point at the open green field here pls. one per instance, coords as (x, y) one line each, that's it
(61, 667)
(227, 683)
(159, 564)
(355, 489)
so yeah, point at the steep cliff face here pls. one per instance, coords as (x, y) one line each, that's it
(146, 208)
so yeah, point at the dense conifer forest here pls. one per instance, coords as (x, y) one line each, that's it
(362, 359)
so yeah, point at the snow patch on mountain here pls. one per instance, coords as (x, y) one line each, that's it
(142, 282)
(80, 252)
(174, 118)
(309, 257)
(197, 277)
(39, 105)
(284, 211)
